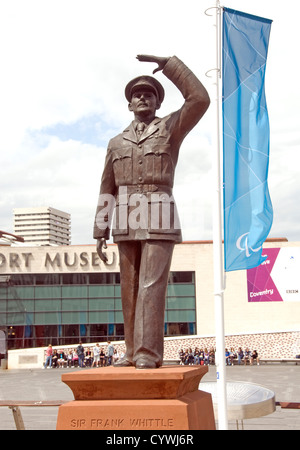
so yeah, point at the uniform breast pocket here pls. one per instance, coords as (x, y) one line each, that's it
(122, 165)
(159, 164)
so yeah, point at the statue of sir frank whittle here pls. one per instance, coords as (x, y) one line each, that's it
(136, 185)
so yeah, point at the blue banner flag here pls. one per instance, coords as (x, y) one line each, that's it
(248, 212)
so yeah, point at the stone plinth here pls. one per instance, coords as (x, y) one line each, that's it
(124, 398)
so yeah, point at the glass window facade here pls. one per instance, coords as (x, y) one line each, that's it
(61, 309)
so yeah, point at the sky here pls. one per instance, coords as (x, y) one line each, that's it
(64, 67)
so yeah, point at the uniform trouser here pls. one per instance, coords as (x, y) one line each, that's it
(144, 268)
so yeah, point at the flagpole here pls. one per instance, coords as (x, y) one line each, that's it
(217, 246)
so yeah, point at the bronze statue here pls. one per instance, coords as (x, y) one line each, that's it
(137, 184)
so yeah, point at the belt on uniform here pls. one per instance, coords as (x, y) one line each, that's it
(146, 188)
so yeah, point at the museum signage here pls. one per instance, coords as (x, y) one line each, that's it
(35, 260)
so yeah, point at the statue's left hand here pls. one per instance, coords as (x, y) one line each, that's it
(160, 60)
(101, 243)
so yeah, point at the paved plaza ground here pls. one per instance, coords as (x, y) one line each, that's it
(42, 385)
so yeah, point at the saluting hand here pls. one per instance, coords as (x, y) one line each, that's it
(160, 60)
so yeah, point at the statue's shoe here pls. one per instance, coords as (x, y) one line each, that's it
(123, 362)
(143, 363)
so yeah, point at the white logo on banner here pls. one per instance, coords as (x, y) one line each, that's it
(244, 245)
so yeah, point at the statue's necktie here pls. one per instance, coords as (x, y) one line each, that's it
(140, 128)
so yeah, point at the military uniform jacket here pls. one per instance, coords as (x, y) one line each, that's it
(138, 175)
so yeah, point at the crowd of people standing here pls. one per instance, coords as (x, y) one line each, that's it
(106, 356)
(81, 357)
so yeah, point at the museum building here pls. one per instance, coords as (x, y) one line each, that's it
(66, 294)
(63, 295)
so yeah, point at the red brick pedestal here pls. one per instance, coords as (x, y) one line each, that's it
(124, 398)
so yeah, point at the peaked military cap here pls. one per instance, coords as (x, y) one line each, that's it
(146, 82)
